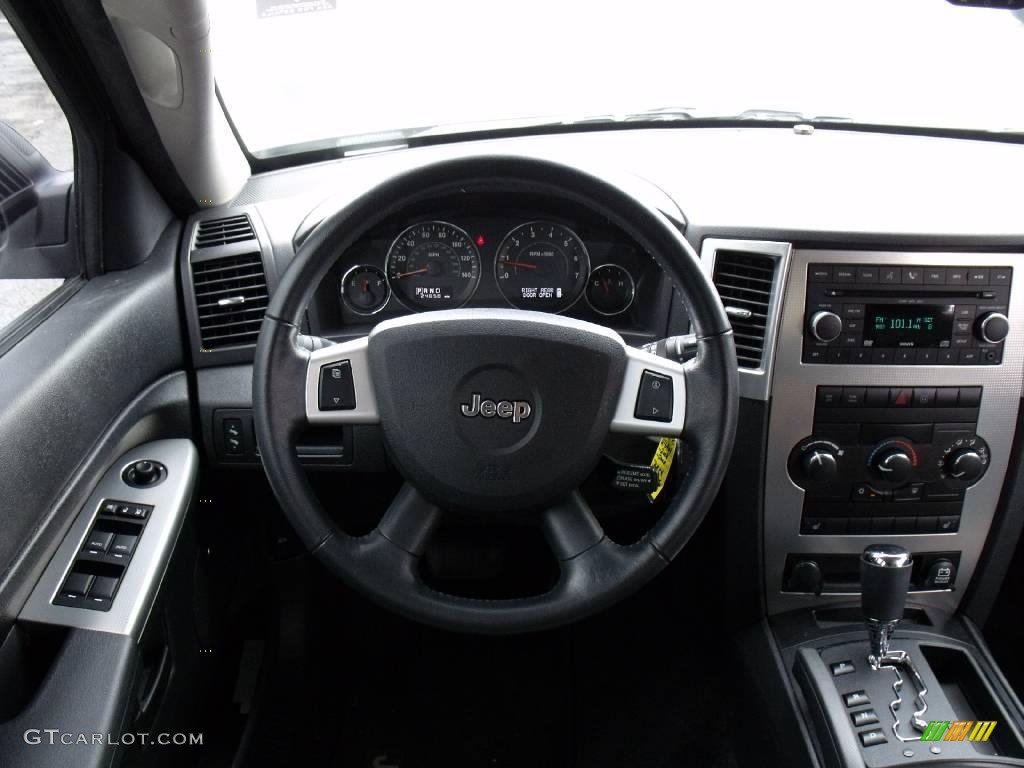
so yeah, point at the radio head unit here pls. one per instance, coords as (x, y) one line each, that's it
(890, 315)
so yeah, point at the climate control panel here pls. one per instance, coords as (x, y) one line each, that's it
(889, 459)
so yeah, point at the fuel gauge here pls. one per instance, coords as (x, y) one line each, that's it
(365, 289)
(610, 290)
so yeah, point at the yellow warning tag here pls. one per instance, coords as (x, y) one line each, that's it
(662, 463)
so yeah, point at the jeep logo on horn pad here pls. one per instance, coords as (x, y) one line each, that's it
(517, 410)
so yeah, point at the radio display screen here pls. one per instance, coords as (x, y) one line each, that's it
(922, 325)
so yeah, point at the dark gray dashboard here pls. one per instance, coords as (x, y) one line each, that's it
(758, 204)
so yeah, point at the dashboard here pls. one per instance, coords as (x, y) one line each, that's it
(873, 282)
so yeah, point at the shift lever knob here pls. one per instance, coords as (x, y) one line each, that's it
(884, 581)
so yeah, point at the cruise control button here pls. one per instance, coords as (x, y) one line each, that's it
(337, 392)
(655, 399)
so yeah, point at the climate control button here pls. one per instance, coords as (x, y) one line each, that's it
(892, 462)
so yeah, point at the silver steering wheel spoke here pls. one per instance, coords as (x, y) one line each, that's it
(339, 388)
(653, 396)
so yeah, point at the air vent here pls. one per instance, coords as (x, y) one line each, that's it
(231, 296)
(12, 180)
(744, 282)
(234, 229)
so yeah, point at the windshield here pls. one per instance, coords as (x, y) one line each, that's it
(352, 72)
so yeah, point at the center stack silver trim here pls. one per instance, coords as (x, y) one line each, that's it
(792, 417)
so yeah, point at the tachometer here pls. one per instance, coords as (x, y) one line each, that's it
(541, 265)
(433, 265)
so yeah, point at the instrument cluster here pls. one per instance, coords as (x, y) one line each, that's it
(540, 264)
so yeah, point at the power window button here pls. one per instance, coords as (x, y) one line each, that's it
(654, 400)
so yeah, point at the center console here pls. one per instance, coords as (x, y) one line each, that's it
(895, 386)
(892, 383)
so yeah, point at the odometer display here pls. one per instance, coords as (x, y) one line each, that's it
(433, 265)
(541, 265)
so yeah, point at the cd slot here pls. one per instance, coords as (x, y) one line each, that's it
(902, 294)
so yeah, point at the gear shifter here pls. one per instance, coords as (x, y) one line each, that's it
(884, 581)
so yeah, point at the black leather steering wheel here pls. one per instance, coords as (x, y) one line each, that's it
(494, 411)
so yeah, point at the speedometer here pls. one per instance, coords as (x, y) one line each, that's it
(542, 265)
(433, 265)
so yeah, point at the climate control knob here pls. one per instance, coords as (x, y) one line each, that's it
(993, 327)
(965, 466)
(892, 462)
(819, 465)
(825, 326)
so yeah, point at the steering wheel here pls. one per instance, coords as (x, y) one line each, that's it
(494, 412)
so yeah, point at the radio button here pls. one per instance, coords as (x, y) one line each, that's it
(969, 357)
(867, 274)
(861, 356)
(849, 340)
(965, 311)
(844, 274)
(838, 355)
(819, 273)
(977, 277)
(956, 276)
(961, 341)
(853, 311)
(946, 357)
(1001, 276)
(904, 357)
(889, 275)
(994, 327)
(825, 326)
(962, 327)
(815, 355)
(926, 357)
(881, 356)
(934, 276)
(913, 275)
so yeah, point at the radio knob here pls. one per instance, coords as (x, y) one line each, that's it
(993, 327)
(819, 465)
(826, 326)
(966, 466)
(893, 465)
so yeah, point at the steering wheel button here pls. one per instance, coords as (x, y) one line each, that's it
(337, 392)
(654, 401)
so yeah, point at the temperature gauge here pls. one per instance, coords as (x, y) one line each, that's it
(365, 289)
(610, 290)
